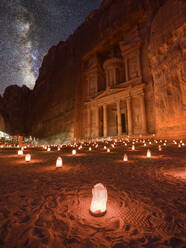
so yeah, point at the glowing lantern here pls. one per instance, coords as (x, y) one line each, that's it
(159, 147)
(179, 145)
(59, 162)
(48, 149)
(105, 147)
(150, 142)
(108, 150)
(90, 148)
(58, 148)
(22, 148)
(99, 200)
(27, 157)
(20, 152)
(182, 144)
(148, 153)
(125, 158)
(74, 152)
(133, 147)
(145, 144)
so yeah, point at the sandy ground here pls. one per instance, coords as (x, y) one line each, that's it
(41, 206)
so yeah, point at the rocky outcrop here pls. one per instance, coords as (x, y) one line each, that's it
(14, 109)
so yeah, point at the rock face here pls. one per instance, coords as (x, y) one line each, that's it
(14, 110)
(167, 54)
(54, 110)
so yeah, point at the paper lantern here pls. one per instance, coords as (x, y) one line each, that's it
(105, 147)
(74, 152)
(145, 144)
(133, 147)
(27, 157)
(48, 149)
(108, 150)
(20, 152)
(148, 153)
(90, 148)
(179, 145)
(125, 157)
(58, 148)
(59, 162)
(159, 148)
(99, 200)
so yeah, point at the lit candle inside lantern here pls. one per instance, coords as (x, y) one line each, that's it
(20, 152)
(58, 148)
(133, 147)
(48, 149)
(74, 152)
(59, 162)
(27, 157)
(108, 150)
(148, 153)
(145, 144)
(99, 200)
(105, 147)
(125, 158)
(179, 145)
(90, 148)
(159, 147)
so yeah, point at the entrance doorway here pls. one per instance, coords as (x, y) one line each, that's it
(123, 123)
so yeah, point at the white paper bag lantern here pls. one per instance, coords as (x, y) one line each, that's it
(20, 152)
(133, 147)
(159, 148)
(74, 152)
(27, 157)
(125, 157)
(148, 153)
(59, 162)
(99, 200)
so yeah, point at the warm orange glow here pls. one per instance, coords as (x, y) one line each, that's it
(90, 148)
(159, 148)
(27, 157)
(59, 162)
(108, 150)
(99, 200)
(48, 149)
(133, 147)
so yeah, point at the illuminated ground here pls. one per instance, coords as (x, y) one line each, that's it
(41, 206)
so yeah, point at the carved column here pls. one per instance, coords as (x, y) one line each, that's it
(143, 114)
(89, 121)
(105, 131)
(119, 118)
(129, 113)
(126, 70)
(97, 120)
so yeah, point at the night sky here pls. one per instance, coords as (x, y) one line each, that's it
(28, 28)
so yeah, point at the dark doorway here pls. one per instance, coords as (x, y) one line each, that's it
(123, 123)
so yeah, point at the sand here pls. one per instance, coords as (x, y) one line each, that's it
(41, 206)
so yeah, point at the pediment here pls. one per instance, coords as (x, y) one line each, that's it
(107, 92)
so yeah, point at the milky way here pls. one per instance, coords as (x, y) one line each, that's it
(28, 28)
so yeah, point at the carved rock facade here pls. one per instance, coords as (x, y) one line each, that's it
(122, 72)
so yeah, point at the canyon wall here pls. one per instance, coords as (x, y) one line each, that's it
(167, 55)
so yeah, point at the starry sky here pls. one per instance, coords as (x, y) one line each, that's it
(28, 28)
